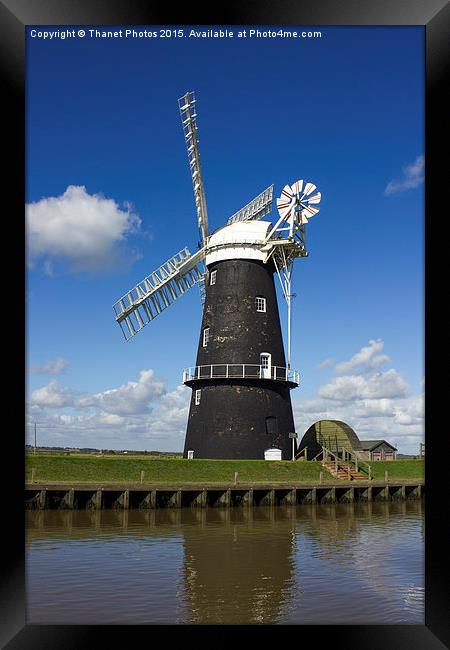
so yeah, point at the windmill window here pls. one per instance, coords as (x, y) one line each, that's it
(271, 425)
(260, 303)
(198, 394)
(212, 277)
(205, 337)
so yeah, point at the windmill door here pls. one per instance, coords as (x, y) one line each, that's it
(266, 365)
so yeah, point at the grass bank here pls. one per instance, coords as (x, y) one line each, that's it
(77, 468)
(119, 469)
(398, 469)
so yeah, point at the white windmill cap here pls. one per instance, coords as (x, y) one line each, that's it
(240, 240)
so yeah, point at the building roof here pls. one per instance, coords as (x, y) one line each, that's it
(239, 240)
(333, 434)
(368, 445)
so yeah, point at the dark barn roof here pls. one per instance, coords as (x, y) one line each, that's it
(368, 445)
(336, 435)
(333, 429)
(330, 433)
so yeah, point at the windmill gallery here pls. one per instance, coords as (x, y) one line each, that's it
(241, 382)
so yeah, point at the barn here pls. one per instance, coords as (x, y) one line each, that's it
(332, 434)
(338, 437)
(377, 450)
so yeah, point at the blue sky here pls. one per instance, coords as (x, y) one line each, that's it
(344, 111)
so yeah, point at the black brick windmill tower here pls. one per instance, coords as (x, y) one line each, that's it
(241, 405)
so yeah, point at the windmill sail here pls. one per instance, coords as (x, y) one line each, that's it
(258, 208)
(189, 122)
(159, 290)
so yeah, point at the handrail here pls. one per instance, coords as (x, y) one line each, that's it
(346, 464)
(358, 462)
(299, 453)
(241, 371)
(327, 451)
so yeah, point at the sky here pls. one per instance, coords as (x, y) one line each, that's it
(109, 199)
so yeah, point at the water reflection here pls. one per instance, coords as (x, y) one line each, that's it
(239, 567)
(343, 563)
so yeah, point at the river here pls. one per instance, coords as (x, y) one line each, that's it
(320, 564)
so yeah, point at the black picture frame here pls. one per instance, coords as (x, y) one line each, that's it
(433, 15)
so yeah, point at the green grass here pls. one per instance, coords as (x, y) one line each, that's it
(398, 469)
(53, 467)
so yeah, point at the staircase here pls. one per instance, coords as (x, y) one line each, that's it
(345, 471)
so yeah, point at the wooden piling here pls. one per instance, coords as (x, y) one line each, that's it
(350, 495)
(248, 498)
(42, 499)
(69, 499)
(64, 496)
(290, 497)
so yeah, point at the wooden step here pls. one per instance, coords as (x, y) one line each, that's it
(343, 472)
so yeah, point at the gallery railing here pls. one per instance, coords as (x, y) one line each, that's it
(241, 371)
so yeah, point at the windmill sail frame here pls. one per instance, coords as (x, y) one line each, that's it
(256, 209)
(139, 306)
(189, 122)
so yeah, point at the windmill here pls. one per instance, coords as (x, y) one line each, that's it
(240, 405)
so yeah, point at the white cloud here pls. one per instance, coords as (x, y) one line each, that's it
(369, 408)
(381, 385)
(84, 230)
(365, 359)
(111, 419)
(326, 363)
(400, 421)
(413, 176)
(55, 367)
(172, 412)
(139, 414)
(53, 395)
(133, 398)
(410, 412)
(375, 404)
(142, 414)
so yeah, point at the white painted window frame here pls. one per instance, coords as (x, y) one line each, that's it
(198, 396)
(205, 337)
(261, 301)
(265, 370)
(212, 277)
